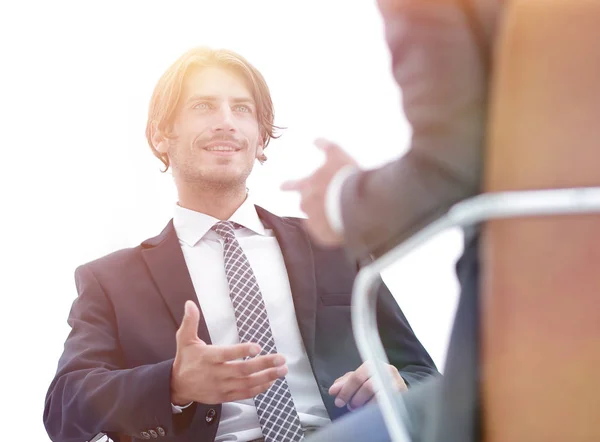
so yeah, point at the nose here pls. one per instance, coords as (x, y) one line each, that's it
(224, 121)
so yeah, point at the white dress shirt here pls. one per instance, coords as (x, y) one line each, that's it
(203, 252)
(333, 198)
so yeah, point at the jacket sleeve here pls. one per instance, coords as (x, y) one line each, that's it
(92, 392)
(439, 59)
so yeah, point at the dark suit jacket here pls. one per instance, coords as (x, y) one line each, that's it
(114, 374)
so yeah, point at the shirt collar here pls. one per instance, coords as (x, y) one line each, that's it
(246, 216)
(192, 226)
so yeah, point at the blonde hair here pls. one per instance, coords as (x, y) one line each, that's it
(166, 95)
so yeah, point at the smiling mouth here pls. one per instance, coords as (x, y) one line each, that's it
(222, 149)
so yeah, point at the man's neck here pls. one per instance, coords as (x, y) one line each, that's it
(219, 203)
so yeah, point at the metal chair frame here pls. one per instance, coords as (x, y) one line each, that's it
(484, 207)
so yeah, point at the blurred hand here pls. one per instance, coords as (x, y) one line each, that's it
(313, 190)
(213, 374)
(356, 388)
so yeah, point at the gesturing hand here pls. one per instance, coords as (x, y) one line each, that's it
(313, 192)
(213, 374)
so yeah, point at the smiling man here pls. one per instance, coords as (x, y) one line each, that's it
(230, 325)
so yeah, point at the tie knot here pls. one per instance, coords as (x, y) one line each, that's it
(226, 229)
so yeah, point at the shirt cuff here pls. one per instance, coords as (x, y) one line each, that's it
(333, 198)
(176, 409)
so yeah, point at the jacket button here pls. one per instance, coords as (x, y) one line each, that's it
(145, 435)
(161, 431)
(153, 433)
(210, 415)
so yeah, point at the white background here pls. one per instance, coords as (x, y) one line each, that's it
(78, 179)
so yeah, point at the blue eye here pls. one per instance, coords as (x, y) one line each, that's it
(242, 108)
(202, 105)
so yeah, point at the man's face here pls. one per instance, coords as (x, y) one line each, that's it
(215, 131)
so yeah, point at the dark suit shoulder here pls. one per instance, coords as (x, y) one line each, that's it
(333, 260)
(328, 251)
(291, 220)
(114, 260)
(124, 258)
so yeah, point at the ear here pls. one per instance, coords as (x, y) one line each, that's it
(159, 141)
(260, 154)
(259, 150)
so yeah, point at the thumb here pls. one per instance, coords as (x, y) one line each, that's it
(292, 185)
(329, 147)
(188, 330)
(335, 153)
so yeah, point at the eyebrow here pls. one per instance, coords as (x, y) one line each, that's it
(236, 100)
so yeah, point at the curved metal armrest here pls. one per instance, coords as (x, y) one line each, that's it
(471, 211)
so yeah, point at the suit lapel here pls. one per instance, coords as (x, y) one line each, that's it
(169, 271)
(167, 266)
(299, 262)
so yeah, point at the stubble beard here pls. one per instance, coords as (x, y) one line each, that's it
(211, 179)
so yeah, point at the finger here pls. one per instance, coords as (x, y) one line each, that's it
(338, 383)
(257, 379)
(188, 330)
(335, 388)
(364, 370)
(350, 387)
(238, 369)
(226, 353)
(238, 395)
(330, 149)
(343, 377)
(325, 145)
(364, 394)
(293, 185)
(334, 153)
(400, 383)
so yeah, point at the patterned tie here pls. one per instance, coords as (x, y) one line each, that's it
(277, 414)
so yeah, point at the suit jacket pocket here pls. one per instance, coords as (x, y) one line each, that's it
(339, 299)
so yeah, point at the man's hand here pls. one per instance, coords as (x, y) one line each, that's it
(356, 388)
(212, 374)
(313, 190)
